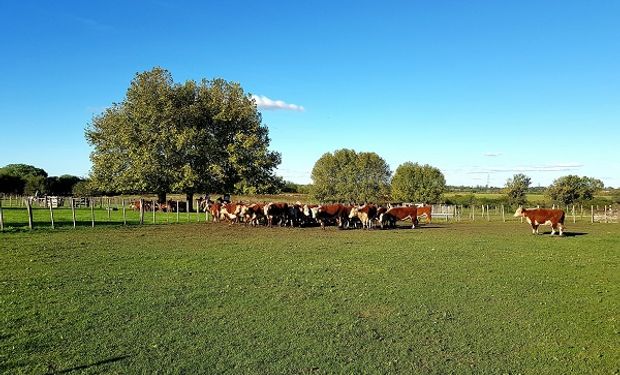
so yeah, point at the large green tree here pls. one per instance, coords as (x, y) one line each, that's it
(572, 189)
(23, 179)
(348, 176)
(413, 182)
(180, 137)
(516, 189)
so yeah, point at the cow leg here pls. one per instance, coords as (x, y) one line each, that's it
(534, 229)
(561, 227)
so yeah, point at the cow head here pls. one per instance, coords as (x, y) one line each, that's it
(519, 212)
(354, 211)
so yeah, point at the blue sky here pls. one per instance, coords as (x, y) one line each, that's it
(480, 89)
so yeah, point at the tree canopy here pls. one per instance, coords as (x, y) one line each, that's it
(516, 189)
(180, 137)
(413, 182)
(22, 179)
(348, 176)
(572, 189)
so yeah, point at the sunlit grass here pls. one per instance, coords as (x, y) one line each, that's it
(209, 298)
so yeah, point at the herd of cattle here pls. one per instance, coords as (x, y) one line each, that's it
(303, 215)
(341, 215)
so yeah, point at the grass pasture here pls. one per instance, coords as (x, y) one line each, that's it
(211, 298)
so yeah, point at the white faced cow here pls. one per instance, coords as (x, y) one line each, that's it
(541, 216)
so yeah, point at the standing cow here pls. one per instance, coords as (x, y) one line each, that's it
(400, 213)
(542, 216)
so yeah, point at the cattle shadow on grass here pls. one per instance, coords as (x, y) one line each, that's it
(84, 367)
(565, 234)
(573, 234)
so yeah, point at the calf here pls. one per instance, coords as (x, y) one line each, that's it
(538, 216)
(425, 211)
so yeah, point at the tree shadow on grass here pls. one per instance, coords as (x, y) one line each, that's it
(51, 370)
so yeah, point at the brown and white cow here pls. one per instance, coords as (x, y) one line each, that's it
(542, 216)
(310, 212)
(425, 211)
(400, 213)
(365, 213)
(276, 211)
(253, 213)
(329, 213)
(231, 212)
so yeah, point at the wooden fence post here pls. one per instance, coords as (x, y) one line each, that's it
(503, 214)
(51, 212)
(605, 214)
(177, 211)
(197, 212)
(187, 210)
(153, 208)
(591, 214)
(1, 218)
(108, 208)
(574, 218)
(73, 211)
(92, 211)
(141, 210)
(29, 209)
(124, 211)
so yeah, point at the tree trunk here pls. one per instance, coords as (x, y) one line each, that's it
(161, 197)
(190, 201)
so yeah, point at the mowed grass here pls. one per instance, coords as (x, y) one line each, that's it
(211, 298)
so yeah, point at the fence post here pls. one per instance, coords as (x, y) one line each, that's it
(124, 211)
(153, 209)
(592, 214)
(1, 218)
(177, 211)
(574, 218)
(605, 214)
(73, 211)
(187, 210)
(108, 208)
(29, 209)
(141, 210)
(473, 212)
(503, 214)
(51, 213)
(92, 211)
(488, 214)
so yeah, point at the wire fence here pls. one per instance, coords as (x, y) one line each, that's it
(18, 212)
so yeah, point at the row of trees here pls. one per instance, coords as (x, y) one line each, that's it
(26, 179)
(348, 176)
(565, 190)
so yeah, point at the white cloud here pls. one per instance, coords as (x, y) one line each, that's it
(492, 154)
(270, 104)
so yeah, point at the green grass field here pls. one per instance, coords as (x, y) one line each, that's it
(211, 298)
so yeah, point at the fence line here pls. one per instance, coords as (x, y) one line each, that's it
(81, 207)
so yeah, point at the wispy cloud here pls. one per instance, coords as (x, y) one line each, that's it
(270, 104)
(561, 167)
(93, 24)
(492, 154)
